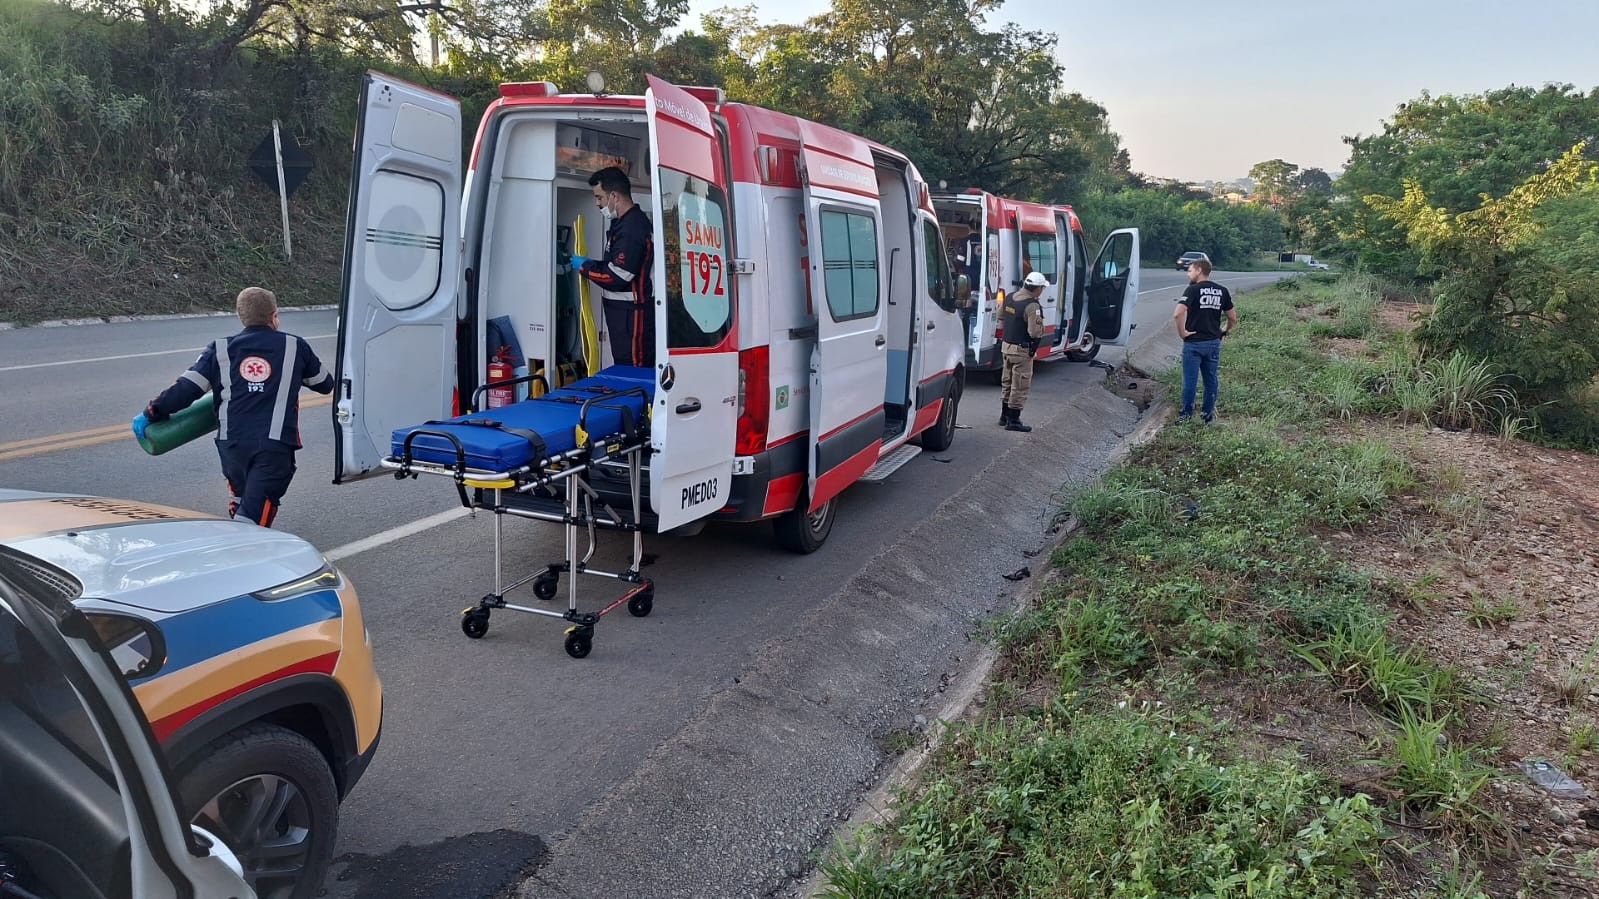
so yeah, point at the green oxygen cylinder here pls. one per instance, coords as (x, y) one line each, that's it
(191, 423)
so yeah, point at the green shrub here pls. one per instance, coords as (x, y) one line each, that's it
(1123, 802)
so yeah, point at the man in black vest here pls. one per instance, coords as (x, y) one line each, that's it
(1023, 322)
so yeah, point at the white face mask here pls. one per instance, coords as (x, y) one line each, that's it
(607, 210)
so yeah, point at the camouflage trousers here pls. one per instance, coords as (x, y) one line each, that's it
(1017, 376)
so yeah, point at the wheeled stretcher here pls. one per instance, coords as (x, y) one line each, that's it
(534, 459)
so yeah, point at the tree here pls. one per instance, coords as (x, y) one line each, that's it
(1276, 180)
(1314, 180)
(975, 107)
(1516, 275)
(1458, 150)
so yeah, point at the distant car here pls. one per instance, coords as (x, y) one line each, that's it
(248, 653)
(1186, 258)
(1318, 264)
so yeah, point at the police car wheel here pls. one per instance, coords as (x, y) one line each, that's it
(267, 792)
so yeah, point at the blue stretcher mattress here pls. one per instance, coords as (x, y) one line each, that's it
(553, 416)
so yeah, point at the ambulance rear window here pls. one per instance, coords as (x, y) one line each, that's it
(699, 280)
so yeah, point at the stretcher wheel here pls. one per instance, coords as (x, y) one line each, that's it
(579, 640)
(475, 623)
(545, 585)
(641, 603)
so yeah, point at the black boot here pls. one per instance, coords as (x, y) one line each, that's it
(1004, 416)
(1015, 423)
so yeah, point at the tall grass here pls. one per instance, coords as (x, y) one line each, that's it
(1455, 392)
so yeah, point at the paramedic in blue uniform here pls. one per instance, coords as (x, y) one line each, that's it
(623, 276)
(256, 375)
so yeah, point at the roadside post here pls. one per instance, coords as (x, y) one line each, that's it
(282, 167)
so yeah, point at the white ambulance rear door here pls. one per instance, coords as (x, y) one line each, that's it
(986, 286)
(695, 419)
(402, 282)
(1063, 280)
(849, 372)
(1113, 288)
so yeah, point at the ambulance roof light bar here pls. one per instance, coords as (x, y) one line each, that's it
(528, 89)
(711, 96)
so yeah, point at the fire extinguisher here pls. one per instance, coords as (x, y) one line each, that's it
(504, 395)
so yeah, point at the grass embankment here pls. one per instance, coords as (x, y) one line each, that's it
(1208, 699)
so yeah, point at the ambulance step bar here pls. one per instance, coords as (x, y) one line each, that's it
(891, 463)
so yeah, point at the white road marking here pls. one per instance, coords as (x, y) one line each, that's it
(189, 350)
(393, 534)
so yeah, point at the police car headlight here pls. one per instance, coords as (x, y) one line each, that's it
(325, 578)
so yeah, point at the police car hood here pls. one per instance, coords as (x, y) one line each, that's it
(157, 558)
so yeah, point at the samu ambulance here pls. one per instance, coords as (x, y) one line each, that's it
(805, 313)
(998, 241)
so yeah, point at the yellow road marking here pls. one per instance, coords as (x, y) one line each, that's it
(34, 446)
(52, 438)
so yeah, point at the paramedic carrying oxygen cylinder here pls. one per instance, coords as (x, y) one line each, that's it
(1023, 322)
(623, 276)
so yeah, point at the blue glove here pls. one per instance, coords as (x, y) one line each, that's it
(579, 261)
(140, 422)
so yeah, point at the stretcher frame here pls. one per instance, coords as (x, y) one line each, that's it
(567, 470)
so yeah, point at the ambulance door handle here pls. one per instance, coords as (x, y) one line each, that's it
(881, 341)
(688, 407)
(931, 325)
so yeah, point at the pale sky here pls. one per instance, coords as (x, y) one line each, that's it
(1204, 90)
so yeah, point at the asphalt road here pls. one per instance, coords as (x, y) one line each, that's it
(493, 750)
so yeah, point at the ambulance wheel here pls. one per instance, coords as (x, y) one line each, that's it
(545, 585)
(641, 604)
(803, 532)
(579, 642)
(1089, 349)
(938, 437)
(475, 623)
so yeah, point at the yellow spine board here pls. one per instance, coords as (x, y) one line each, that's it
(591, 333)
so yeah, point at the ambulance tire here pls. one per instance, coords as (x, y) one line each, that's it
(799, 531)
(938, 437)
(1086, 354)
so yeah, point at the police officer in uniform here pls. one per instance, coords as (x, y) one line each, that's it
(623, 276)
(256, 375)
(1022, 319)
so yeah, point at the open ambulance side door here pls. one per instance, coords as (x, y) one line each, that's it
(694, 425)
(849, 369)
(1113, 288)
(402, 272)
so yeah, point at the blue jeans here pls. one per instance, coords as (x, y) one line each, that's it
(1200, 357)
